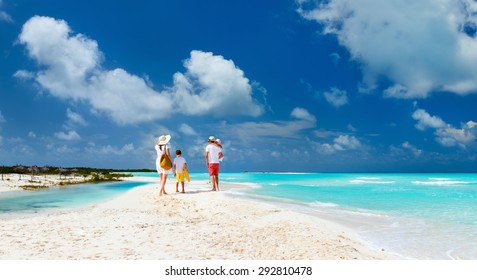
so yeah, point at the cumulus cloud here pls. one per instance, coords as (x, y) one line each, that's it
(213, 85)
(421, 46)
(302, 114)
(450, 136)
(336, 97)
(446, 134)
(71, 70)
(346, 142)
(73, 120)
(339, 144)
(471, 124)
(424, 120)
(68, 136)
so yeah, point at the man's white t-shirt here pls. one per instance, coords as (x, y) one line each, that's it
(179, 163)
(213, 153)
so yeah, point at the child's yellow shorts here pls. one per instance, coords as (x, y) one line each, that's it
(180, 177)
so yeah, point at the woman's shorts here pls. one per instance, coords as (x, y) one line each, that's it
(214, 169)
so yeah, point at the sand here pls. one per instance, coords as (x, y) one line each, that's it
(12, 182)
(197, 225)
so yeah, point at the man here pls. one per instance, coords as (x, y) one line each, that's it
(213, 154)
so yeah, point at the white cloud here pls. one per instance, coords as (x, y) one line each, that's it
(421, 46)
(213, 85)
(75, 118)
(127, 98)
(254, 130)
(471, 124)
(64, 149)
(406, 145)
(69, 136)
(346, 142)
(187, 129)
(2, 119)
(400, 91)
(326, 133)
(276, 154)
(336, 97)
(325, 148)
(302, 114)
(424, 120)
(260, 130)
(4, 16)
(339, 144)
(32, 134)
(72, 71)
(109, 150)
(446, 134)
(451, 137)
(24, 75)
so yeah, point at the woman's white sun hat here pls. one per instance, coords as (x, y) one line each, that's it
(163, 139)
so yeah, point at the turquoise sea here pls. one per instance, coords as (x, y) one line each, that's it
(418, 216)
(65, 197)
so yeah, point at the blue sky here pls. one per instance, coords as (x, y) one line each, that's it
(314, 86)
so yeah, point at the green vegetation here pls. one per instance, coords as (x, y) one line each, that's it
(50, 170)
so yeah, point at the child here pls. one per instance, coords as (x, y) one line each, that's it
(218, 143)
(179, 165)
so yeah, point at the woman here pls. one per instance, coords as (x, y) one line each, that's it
(162, 147)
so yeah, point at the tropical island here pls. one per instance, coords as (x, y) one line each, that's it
(34, 177)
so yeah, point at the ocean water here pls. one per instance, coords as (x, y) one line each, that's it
(81, 195)
(418, 216)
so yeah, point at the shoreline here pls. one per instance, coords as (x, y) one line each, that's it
(12, 181)
(197, 225)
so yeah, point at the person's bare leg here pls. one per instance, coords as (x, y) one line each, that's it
(163, 184)
(160, 183)
(212, 181)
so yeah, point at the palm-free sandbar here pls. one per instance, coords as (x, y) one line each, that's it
(196, 225)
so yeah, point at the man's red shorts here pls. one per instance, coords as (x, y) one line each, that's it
(214, 169)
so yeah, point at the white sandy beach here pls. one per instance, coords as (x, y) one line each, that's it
(13, 182)
(197, 225)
